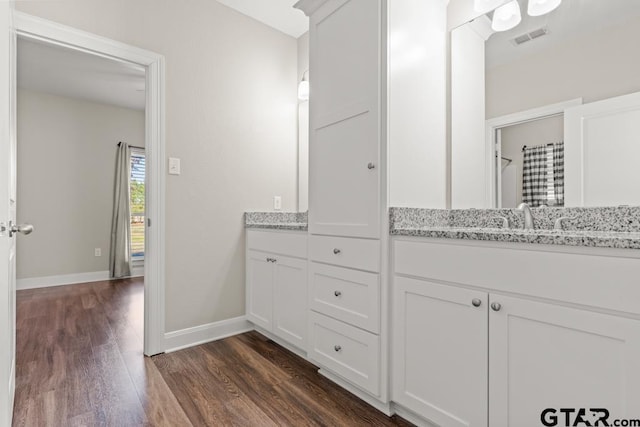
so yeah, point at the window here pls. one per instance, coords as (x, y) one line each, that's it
(136, 203)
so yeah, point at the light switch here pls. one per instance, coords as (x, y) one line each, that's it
(174, 166)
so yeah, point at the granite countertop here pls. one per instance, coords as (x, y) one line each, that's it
(610, 227)
(606, 227)
(293, 221)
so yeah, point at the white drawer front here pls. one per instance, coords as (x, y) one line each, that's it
(347, 252)
(345, 350)
(348, 295)
(592, 280)
(278, 242)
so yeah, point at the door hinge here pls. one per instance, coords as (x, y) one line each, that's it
(148, 222)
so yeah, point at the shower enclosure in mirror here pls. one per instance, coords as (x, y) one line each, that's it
(548, 112)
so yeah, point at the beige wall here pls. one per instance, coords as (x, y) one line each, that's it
(544, 131)
(230, 116)
(604, 64)
(66, 167)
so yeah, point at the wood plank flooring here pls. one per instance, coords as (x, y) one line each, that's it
(80, 363)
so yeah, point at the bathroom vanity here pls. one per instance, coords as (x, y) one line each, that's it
(489, 326)
(446, 317)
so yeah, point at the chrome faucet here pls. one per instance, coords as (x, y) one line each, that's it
(528, 217)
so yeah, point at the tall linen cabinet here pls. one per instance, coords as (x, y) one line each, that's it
(377, 139)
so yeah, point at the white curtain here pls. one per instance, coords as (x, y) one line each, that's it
(120, 251)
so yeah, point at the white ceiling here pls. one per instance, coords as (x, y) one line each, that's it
(62, 71)
(278, 14)
(571, 19)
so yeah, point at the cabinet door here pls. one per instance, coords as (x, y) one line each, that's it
(344, 147)
(260, 289)
(547, 356)
(440, 352)
(290, 300)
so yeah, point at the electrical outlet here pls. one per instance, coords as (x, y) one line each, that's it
(277, 202)
(97, 252)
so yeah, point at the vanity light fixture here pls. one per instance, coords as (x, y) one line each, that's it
(506, 17)
(541, 7)
(303, 87)
(484, 6)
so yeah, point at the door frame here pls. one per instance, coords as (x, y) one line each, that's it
(43, 30)
(491, 127)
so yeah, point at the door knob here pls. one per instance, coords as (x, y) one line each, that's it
(496, 306)
(337, 348)
(22, 228)
(477, 302)
(336, 251)
(337, 293)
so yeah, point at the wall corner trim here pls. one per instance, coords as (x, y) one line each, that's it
(189, 337)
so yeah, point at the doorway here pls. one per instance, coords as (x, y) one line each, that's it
(508, 137)
(45, 32)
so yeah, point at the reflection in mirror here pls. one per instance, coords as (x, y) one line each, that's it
(565, 85)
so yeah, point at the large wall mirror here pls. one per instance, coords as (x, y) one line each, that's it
(548, 112)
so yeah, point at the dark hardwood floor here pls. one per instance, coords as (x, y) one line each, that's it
(80, 363)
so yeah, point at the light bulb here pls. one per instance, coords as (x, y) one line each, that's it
(506, 17)
(303, 90)
(541, 7)
(484, 6)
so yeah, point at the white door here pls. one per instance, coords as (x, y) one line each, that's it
(547, 356)
(344, 146)
(290, 300)
(602, 153)
(7, 213)
(440, 352)
(260, 289)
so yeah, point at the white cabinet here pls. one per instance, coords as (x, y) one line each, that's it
(289, 300)
(451, 324)
(260, 289)
(377, 122)
(549, 356)
(440, 341)
(276, 284)
(344, 145)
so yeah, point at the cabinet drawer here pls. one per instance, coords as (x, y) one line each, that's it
(278, 242)
(588, 279)
(346, 350)
(347, 252)
(348, 295)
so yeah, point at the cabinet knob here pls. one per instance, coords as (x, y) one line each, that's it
(336, 251)
(337, 348)
(337, 293)
(496, 306)
(371, 166)
(477, 302)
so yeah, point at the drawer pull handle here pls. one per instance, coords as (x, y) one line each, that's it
(271, 260)
(337, 293)
(336, 251)
(476, 302)
(337, 348)
(496, 306)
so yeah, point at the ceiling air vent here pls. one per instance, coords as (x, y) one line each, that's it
(530, 36)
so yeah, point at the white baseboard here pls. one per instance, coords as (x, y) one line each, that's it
(69, 279)
(177, 340)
